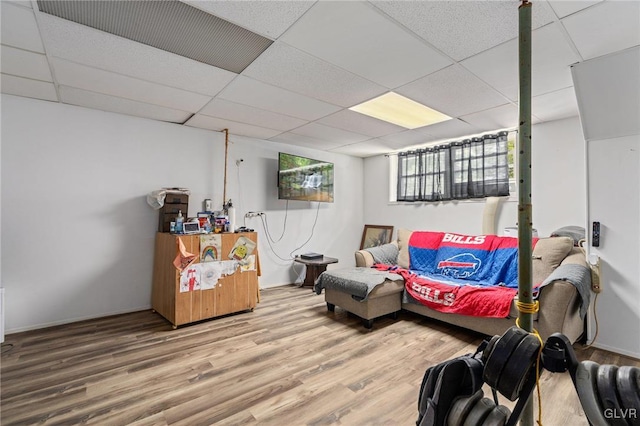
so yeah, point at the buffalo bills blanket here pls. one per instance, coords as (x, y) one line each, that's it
(462, 274)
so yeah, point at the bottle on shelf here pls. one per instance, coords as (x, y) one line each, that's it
(179, 222)
(232, 218)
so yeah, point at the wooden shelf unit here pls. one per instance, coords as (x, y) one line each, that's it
(234, 293)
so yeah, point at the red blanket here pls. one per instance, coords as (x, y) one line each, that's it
(467, 299)
(462, 299)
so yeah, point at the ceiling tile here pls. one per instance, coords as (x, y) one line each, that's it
(23, 63)
(19, 27)
(23, 3)
(556, 105)
(305, 141)
(245, 114)
(463, 28)
(357, 37)
(453, 91)
(108, 83)
(605, 28)
(269, 18)
(551, 57)
(84, 45)
(365, 149)
(339, 136)
(450, 129)
(502, 117)
(235, 128)
(360, 123)
(26, 87)
(498, 67)
(292, 69)
(404, 139)
(71, 95)
(565, 8)
(255, 93)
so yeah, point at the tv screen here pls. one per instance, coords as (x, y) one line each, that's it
(305, 179)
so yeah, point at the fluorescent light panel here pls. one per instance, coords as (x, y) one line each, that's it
(397, 109)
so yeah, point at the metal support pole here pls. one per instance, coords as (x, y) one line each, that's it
(525, 274)
(226, 154)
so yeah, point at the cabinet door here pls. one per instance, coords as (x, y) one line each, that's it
(246, 290)
(238, 291)
(225, 295)
(208, 303)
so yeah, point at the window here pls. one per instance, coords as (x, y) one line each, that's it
(472, 168)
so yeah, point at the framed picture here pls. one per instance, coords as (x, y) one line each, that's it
(375, 235)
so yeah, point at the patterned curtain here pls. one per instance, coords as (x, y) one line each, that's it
(472, 168)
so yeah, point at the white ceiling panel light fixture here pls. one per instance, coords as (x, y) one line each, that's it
(394, 108)
(172, 26)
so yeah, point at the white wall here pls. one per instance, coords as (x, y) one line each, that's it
(614, 175)
(608, 94)
(77, 233)
(253, 187)
(558, 190)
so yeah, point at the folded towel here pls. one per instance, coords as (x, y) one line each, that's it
(580, 277)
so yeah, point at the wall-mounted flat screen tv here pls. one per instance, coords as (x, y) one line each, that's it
(304, 179)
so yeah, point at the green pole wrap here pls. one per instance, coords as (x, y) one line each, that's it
(525, 275)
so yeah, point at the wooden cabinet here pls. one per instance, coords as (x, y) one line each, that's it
(234, 293)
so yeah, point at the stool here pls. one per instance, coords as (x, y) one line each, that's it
(385, 299)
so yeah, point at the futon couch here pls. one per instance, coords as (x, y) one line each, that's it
(563, 297)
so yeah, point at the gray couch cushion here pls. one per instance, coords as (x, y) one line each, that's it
(386, 253)
(547, 256)
(403, 246)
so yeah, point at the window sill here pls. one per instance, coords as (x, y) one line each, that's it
(512, 198)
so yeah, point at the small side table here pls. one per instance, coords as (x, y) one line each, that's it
(314, 268)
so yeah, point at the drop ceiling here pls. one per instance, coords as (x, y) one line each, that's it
(459, 57)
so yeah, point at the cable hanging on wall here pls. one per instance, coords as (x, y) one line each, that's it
(226, 156)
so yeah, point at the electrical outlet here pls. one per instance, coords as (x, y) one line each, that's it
(253, 214)
(594, 264)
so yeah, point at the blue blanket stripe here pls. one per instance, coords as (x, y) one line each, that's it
(486, 265)
(423, 259)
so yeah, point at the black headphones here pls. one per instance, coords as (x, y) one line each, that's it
(609, 395)
(507, 365)
(477, 410)
(510, 360)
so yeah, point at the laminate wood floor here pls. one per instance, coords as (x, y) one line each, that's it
(290, 362)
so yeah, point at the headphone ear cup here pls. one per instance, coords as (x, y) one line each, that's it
(479, 412)
(461, 408)
(606, 381)
(502, 350)
(587, 388)
(517, 369)
(497, 417)
(487, 351)
(628, 385)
